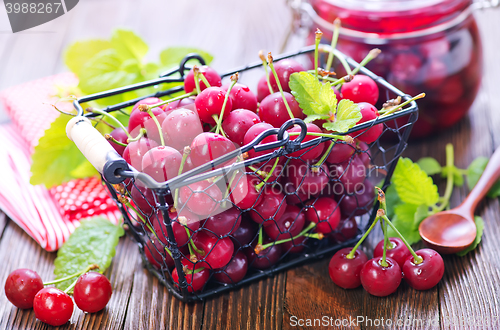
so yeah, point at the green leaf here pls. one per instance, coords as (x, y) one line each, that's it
(404, 221)
(172, 56)
(348, 114)
(311, 118)
(128, 45)
(479, 233)
(429, 165)
(475, 170)
(55, 156)
(93, 242)
(106, 71)
(413, 185)
(80, 52)
(313, 96)
(421, 213)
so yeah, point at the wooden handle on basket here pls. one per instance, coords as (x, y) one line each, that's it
(95, 148)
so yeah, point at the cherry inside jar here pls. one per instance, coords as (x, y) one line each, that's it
(430, 46)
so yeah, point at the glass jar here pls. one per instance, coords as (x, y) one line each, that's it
(430, 46)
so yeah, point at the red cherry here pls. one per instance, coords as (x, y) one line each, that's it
(162, 163)
(341, 152)
(360, 202)
(223, 224)
(143, 198)
(243, 192)
(289, 225)
(209, 146)
(52, 306)
(368, 135)
(345, 272)
(347, 229)
(425, 275)
(21, 287)
(351, 174)
(272, 109)
(217, 252)
(187, 103)
(119, 135)
(325, 212)
(284, 70)
(361, 89)
(92, 292)
(242, 97)
(237, 123)
(266, 258)
(209, 104)
(201, 198)
(308, 181)
(135, 151)
(180, 127)
(311, 152)
(255, 131)
(212, 76)
(196, 281)
(235, 271)
(263, 89)
(396, 250)
(245, 233)
(140, 119)
(156, 254)
(271, 206)
(378, 280)
(186, 220)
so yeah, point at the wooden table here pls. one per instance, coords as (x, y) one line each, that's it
(234, 32)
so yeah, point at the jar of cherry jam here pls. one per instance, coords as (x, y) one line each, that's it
(430, 46)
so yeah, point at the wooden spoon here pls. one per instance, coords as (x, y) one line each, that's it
(454, 230)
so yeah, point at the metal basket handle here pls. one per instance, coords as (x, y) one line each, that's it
(96, 149)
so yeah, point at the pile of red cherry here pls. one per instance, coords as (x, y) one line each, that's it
(25, 289)
(259, 214)
(393, 260)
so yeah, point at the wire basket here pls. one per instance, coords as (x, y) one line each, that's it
(232, 230)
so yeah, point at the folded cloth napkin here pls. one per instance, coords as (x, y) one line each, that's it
(49, 216)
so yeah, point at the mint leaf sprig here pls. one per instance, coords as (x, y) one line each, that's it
(413, 196)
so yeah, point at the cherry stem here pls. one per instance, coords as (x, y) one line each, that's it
(372, 54)
(115, 141)
(353, 251)
(264, 64)
(69, 288)
(204, 79)
(259, 172)
(383, 262)
(381, 199)
(146, 108)
(228, 190)
(219, 125)
(333, 136)
(396, 108)
(271, 65)
(335, 37)
(317, 39)
(142, 132)
(234, 80)
(125, 200)
(269, 174)
(69, 277)
(449, 178)
(342, 80)
(185, 154)
(177, 98)
(113, 119)
(416, 258)
(261, 237)
(191, 243)
(196, 73)
(302, 233)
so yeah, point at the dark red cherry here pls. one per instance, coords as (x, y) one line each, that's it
(271, 206)
(345, 272)
(308, 180)
(212, 76)
(162, 163)
(341, 152)
(266, 258)
(244, 193)
(217, 252)
(255, 131)
(143, 198)
(246, 232)
(155, 253)
(180, 127)
(263, 89)
(425, 275)
(396, 250)
(360, 202)
(195, 280)
(311, 152)
(284, 70)
(368, 135)
(21, 287)
(209, 146)
(223, 224)
(119, 135)
(53, 306)
(237, 123)
(347, 229)
(378, 280)
(242, 97)
(325, 212)
(273, 111)
(209, 104)
(361, 89)
(289, 225)
(351, 174)
(235, 271)
(179, 223)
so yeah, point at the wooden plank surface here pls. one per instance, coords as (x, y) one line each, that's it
(234, 33)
